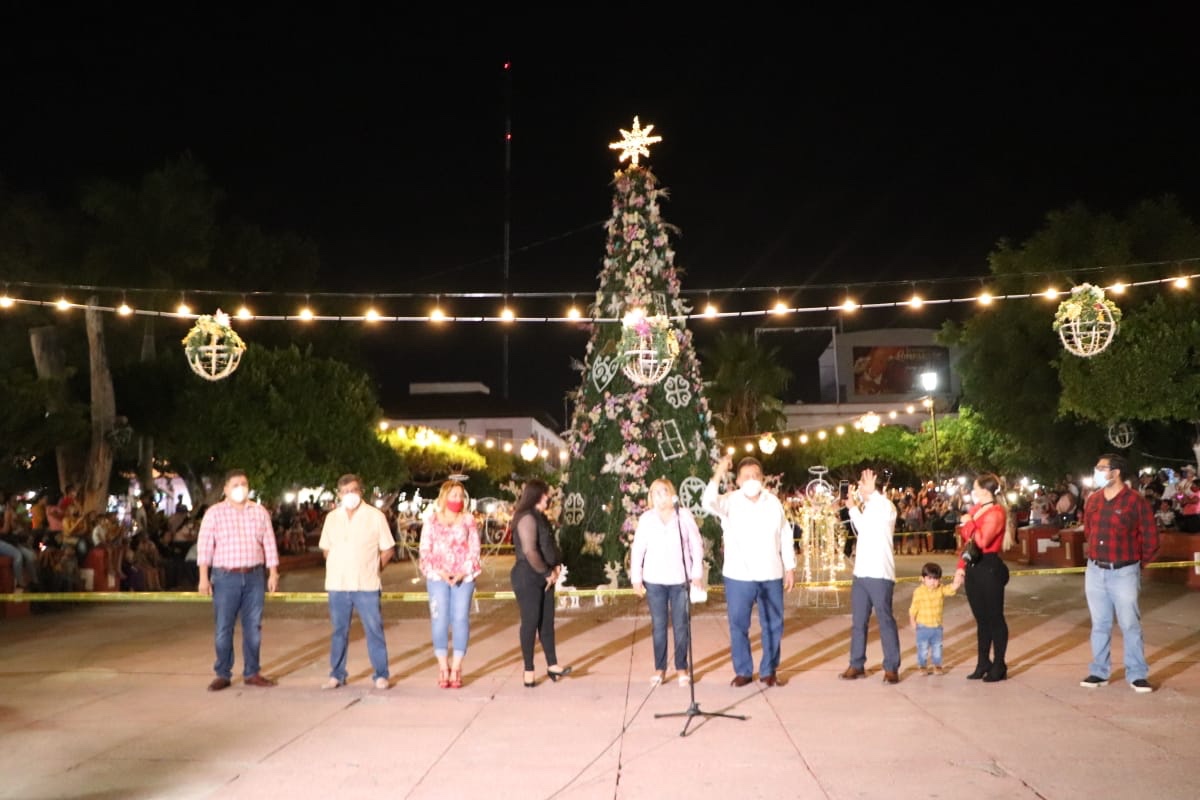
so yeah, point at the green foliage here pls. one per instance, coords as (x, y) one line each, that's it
(744, 381)
(1150, 372)
(891, 447)
(966, 446)
(431, 457)
(1011, 359)
(285, 417)
(28, 434)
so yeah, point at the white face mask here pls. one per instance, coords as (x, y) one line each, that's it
(350, 501)
(751, 488)
(238, 494)
(1100, 478)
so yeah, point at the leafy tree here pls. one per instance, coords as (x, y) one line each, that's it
(1150, 372)
(744, 381)
(966, 445)
(891, 447)
(431, 457)
(1011, 358)
(284, 416)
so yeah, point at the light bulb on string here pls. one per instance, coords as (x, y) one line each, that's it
(124, 310)
(786, 441)
(849, 305)
(916, 301)
(507, 447)
(573, 311)
(804, 438)
(1117, 288)
(306, 314)
(507, 315)
(1181, 282)
(372, 315)
(1050, 293)
(985, 298)
(730, 450)
(710, 310)
(840, 430)
(244, 312)
(63, 304)
(6, 301)
(183, 309)
(437, 315)
(822, 435)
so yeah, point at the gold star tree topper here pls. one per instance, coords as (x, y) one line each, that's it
(635, 143)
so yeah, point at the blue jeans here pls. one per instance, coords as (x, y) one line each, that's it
(1108, 591)
(665, 599)
(867, 594)
(740, 597)
(238, 595)
(450, 607)
(341, 604)
(929, 645)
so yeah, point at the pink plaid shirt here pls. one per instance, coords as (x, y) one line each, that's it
(232, 537)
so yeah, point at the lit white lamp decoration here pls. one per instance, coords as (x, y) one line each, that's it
(213, 349)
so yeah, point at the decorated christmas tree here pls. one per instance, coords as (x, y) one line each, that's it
(640, 411)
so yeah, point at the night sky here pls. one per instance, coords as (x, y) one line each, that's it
(815, 151)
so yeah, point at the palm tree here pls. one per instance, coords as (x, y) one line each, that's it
(743, 383)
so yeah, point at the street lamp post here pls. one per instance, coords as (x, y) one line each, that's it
(929, 381)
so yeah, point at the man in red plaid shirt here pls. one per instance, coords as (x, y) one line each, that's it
(1121, 537)
(237, 540)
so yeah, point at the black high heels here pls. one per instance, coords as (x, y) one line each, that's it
(559, 675)
(979, 673)
(993, 675)
(529, 684)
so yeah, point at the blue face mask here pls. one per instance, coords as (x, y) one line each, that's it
(1100, 478)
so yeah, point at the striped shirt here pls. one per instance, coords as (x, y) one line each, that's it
(1120, 529)
(233, 538)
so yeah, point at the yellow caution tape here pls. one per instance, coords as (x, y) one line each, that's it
(422, 597)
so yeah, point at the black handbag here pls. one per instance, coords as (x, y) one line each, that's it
(971, 553)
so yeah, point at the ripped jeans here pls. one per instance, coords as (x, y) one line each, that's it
(450, 608)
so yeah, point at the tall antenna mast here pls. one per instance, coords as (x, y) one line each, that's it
(507, 211)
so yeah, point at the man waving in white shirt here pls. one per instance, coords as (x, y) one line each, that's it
(874, 518)
(760, 565)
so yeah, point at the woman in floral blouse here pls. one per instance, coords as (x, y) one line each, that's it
(450, 563)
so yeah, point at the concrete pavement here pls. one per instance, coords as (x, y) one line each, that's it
(109, 701)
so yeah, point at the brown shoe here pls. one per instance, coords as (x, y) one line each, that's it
(218, 684)
(769, 681)
(852, 674)
(741, 680)
(890, 677)
(257, 679)
(939, 671)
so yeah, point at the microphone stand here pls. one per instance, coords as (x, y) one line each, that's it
(693, 709)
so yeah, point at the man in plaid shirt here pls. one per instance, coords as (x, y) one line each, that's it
(1121, 537)
(237, 540)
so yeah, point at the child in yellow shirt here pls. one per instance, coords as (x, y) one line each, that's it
(925, 617)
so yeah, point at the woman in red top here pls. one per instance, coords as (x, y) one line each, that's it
(988, 524)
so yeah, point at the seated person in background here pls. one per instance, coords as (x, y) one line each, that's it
(1165, 515)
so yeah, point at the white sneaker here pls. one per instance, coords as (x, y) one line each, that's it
(382, 683)
(656, 680)
(332, 683)
(684, 680)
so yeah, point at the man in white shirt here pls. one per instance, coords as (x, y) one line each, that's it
(874, 517)
(760, 565)
(357, 543)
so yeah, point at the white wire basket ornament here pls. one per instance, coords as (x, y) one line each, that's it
(818, 490)
(649, 347)
(213, 349)
(1087, 321)
(1120, 435)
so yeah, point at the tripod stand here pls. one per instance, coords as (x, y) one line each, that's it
(693, 709)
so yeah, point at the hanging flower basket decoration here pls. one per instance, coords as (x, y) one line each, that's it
(1120, 435)
(213, 349)
(1087, 321)
(649, 346)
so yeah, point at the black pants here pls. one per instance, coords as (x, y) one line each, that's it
(985, 593)
(536, 603)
